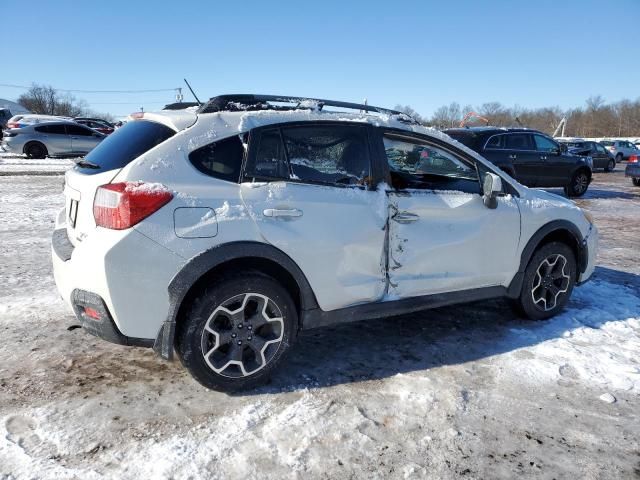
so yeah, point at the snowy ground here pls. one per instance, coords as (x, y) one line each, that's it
(468, 392)
(12, 164)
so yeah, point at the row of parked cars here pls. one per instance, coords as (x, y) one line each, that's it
(39, 136)
(531, 157)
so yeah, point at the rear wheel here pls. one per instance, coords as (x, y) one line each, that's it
(35, 150)
(236, 332)
(636, 181)
(579, 184)
(548, 282)
(611, 165)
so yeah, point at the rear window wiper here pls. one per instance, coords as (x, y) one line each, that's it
(87, 164)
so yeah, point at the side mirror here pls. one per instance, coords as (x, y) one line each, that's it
(491, 187)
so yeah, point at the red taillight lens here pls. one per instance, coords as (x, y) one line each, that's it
(121, 205)
(91, 313)
(633, 159)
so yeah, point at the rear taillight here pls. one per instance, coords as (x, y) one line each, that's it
(13, 125)
(633, 159)
(122, 205)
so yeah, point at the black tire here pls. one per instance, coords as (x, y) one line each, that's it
(636, 181)
(618, 158)
(611, 166)
(35, 150)
(579, 184)
(533, 302)
(259, 332)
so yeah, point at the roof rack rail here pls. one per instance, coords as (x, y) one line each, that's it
(248, 102)
(180, 105)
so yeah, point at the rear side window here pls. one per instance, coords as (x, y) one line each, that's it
(518, 141)
(78, 130)
(52, 129)
(328, 154)
(125, 144)
(495, 143)
(607, 143)
(221, 159)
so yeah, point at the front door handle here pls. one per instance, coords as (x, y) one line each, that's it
(513, 157)
(543, 157)
(406, 217)
(282, 212)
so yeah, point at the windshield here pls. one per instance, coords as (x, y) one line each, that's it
(124, 145)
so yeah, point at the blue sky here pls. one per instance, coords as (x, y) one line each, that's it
(424, 53)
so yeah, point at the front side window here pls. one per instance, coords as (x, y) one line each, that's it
(417, 164)
(518, 141)
(221, 159)
(78, 130)
(544, 144)
(600, 148)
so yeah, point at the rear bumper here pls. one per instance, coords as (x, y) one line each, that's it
(632, 170)
(126, 271)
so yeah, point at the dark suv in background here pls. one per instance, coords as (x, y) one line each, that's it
(531, 157)
(602, 158)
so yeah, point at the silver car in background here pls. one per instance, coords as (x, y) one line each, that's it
(55, 138)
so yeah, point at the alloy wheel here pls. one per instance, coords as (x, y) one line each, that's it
(242, 335)
(580, 184)
(551, 280)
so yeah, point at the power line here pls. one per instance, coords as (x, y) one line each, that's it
(95, 91)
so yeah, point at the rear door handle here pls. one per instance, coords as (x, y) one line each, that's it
(282, 212)
(543, 157)
(406, 217)
(513, 157)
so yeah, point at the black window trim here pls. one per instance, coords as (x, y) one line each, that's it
(209, 176)
(254, 142)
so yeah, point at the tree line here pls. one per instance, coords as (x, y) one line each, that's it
(596, 119)
(46, 100)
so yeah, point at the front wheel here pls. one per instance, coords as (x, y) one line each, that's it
(548, 282)
(35, 150)
(636, 181)
(236, 332)
(579, 184)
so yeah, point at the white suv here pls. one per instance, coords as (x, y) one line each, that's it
(620, 149)
(222, 232)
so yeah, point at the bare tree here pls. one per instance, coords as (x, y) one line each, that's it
(46, 100)
(409, 111)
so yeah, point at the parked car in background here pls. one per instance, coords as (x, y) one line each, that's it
(5, 115)
(633, 169)
(52, 138)
(531, 157)
(294, 220)
(621, 149)
(23, 120)
(96, 124)
(602, 158)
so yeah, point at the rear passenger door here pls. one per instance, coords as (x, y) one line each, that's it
(307, 188)
(55, 138)
(83, 139)
(527, 163)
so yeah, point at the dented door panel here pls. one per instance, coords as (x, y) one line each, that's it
(443, 241)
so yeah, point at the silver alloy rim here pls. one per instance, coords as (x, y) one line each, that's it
(242, 335)
(550, 282)
(581, 183)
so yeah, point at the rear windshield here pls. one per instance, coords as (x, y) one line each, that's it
(606, 143)
(467, 138)
(124, 145)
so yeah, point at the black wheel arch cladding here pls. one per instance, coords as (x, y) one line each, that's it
(214, 259)
(558, 230)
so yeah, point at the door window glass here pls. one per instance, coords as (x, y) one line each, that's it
(221, 159)
(544, 144)
(518, 141)
(328, 154)
(495, 143)
(270, 160)
(78, 130)
(417, 164)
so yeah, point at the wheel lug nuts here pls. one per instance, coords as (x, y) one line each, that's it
(239, 325)
(239, 342)
(249, 327)
(249, 337)
(233, 335)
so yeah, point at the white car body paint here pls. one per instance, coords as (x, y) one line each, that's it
(338, 241)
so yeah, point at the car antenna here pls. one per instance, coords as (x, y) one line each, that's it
(192, 92)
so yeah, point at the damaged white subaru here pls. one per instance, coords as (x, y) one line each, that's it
(221, 232)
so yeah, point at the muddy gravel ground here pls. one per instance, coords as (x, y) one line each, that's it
(459, 392)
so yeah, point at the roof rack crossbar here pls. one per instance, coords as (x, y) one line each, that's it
(225, 102)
